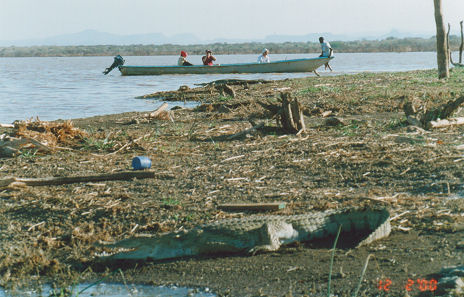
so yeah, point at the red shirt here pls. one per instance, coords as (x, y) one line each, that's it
(208, 60)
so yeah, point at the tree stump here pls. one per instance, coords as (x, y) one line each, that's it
(291, 116)
(418, 114)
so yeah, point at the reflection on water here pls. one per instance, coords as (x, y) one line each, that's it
(112, 290)
(73, 87)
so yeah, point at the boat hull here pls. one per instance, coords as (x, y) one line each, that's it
(298, 65)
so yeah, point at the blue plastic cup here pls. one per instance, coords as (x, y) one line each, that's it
(141, 162)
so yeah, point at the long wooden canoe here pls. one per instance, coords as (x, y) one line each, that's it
(298, 65)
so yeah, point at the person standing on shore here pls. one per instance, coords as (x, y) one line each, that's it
(326, 51)
(208, 59)
(264, 57)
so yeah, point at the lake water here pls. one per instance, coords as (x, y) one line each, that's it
(73, 87)
(110, 290)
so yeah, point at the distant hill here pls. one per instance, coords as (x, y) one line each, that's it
(93, 37)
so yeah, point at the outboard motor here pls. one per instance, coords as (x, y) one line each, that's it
(118, 61)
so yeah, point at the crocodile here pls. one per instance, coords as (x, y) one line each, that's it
(257, 233)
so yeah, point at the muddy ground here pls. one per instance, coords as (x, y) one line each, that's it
(357, 146)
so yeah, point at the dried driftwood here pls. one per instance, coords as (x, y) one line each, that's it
(12, 146)
(243, 133)
(231, 82)
(418, 114)
(446, 123)
(158, 111)
(47, 181)
(225, 89)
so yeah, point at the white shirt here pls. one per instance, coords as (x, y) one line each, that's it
(325, 46)
(264, 59)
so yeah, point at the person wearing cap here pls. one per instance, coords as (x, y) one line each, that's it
(264, 57)
(208, 59)
(183, 59)
(327, 51)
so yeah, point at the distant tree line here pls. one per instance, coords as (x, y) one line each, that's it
(390, 44)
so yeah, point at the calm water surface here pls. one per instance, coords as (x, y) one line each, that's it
(111, 290)
(73, 87)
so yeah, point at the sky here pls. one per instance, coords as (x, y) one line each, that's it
(244, 19)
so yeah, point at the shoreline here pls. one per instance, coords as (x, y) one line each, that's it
(371, 152)
(117, 93)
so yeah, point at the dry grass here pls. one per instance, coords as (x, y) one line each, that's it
(50, 134)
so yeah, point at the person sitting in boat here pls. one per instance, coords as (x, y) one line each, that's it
(183, 59)
(208, 59)
(264, 57)
(327, 51)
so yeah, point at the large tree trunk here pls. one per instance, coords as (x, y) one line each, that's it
(442, 51)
